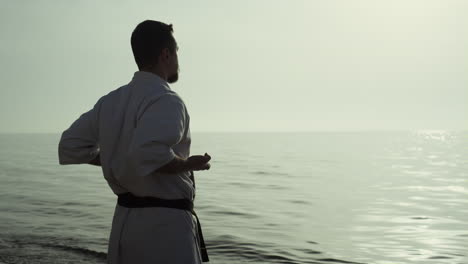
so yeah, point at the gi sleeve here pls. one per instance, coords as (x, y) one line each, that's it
(79, 143)
(159, 127)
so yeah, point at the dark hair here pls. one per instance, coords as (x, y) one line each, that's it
(149, 38)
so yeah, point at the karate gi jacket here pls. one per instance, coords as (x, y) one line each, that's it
(135, 130)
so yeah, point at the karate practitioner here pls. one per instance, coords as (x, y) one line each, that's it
(139, 134)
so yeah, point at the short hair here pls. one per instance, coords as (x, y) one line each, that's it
(148, 40)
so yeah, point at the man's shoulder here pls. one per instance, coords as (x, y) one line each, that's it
(167, 104)
(145, 97)
(169, 100)
(110, 95)
(167, 97)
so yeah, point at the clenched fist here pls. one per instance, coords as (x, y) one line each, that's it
(199, 162)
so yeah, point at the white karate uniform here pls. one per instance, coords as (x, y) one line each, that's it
(137, 129)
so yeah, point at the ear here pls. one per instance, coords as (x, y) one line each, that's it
(165, 53)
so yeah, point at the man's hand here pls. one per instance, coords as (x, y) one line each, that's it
(192, 163)
(199, 162)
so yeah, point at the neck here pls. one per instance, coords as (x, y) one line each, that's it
(158, 71)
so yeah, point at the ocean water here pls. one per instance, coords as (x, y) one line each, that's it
(335, 197)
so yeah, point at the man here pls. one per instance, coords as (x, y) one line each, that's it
(139, 134)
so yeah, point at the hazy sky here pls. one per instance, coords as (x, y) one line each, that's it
(245, 65)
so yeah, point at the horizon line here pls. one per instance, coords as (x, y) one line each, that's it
(291, 131)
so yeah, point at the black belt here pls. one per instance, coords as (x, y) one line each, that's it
(131, 201)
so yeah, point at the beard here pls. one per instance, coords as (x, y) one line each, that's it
(173, 78)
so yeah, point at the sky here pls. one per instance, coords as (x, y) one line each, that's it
(245, 65)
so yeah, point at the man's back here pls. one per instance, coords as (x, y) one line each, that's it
(130, 119)
(138, 128)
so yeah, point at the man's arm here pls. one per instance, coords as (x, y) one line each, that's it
(176, 165)
(79, 143)
(158, 129)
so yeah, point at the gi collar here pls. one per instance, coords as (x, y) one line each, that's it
(151, 79)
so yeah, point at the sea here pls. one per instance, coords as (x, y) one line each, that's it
(383, 197)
